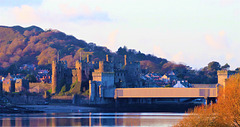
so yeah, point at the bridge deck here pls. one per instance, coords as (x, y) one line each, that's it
(165, 92)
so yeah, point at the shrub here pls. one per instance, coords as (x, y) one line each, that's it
(224, 113)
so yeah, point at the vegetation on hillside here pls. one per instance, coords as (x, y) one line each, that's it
(225, 113)
(32, 45)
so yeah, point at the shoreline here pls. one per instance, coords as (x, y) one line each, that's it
(70, 108)
(59, 108)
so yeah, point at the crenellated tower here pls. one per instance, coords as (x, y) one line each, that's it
(79, 70)
(125, 60)
(61, 75)
(89, 58)
(54, 76)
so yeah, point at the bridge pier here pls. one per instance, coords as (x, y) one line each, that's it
(206, 101)
(116, 104)
(209, 100)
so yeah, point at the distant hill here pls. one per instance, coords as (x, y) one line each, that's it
(33, 45)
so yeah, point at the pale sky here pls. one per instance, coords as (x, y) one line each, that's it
(193, 32)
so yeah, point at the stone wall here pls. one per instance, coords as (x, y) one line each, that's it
(21, 85)
(39, 87)
(25, 99)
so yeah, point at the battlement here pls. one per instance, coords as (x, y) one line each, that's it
(222, 72)
(225, 73)
(105, 66)
(60, 63)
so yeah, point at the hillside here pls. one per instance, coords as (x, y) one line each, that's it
(33, 45)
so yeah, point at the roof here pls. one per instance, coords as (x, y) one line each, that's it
(178, 85)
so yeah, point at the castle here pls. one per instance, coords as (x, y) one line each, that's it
(62, 75)
(105, 74)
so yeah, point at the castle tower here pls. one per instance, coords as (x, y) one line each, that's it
(125, 60)
(222, 76)
(54, 76)
(79, 71)
(89, 58)
(1, 88)
(109, 58)
(101, 66)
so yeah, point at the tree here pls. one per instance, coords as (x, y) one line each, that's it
(225, 67)
(214, 66)
(31, 78)
(167, 67)
(122, 51)
(180, 70)
(225, 113)
(147, 64)
(47, 56)
(13, 69)
(237, 69)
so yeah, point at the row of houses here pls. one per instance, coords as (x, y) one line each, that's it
(158, 80)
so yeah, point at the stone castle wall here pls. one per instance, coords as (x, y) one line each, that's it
(39, 87)
(21, 85)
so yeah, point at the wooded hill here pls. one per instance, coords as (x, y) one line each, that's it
(33, 45)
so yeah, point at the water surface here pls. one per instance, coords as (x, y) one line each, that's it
(91, 119)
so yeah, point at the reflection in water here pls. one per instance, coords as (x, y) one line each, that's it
(91, 119)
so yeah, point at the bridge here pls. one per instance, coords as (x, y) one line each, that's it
(101, 95)
(166, 93)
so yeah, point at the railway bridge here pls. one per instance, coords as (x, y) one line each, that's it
(206, 93)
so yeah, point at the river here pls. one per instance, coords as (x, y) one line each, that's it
(91, 119)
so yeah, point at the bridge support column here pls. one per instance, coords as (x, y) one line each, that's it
(206, 101)
(116, 103)
(214, 100)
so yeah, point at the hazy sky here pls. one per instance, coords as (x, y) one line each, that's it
(194, 32)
